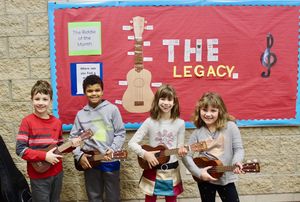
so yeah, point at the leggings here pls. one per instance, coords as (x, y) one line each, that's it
(167, 198)
(227, 193)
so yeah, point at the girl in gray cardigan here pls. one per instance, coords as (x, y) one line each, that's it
(216, 127)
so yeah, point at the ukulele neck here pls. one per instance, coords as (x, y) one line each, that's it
(221, 169)
(169, 152)
(63, 147)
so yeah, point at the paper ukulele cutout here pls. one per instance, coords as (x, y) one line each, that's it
(138, 95)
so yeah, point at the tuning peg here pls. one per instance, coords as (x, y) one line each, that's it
(127, 27)
(149, 27)
(255, 160)
(249, 161)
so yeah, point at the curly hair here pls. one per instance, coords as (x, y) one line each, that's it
(92, 80)
(165, 91)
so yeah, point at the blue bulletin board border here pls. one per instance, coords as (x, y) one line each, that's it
(52, 6)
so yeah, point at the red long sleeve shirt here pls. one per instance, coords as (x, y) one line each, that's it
(36, 134)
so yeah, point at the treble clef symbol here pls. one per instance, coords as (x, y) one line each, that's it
(268, 59)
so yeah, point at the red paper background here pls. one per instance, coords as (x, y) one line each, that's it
(241, 32)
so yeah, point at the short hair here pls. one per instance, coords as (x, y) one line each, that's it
(43, 87)
(92, 80)
(165, 91)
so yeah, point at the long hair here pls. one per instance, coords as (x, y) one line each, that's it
(165, 91)
(214, 100)
(43, 87)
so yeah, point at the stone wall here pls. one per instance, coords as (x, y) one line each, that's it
(24, 58)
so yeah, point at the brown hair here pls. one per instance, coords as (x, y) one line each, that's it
(165, 91)
(43, 87)
(214, 100)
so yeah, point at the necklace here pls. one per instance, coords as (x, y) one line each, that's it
(213, 134)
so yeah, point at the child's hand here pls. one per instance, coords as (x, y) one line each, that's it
(238, 169)
(108, 155)
(52, 157)
(182, 151)
(205, 176)
(151, 159)
(76, 141)
(85, 164)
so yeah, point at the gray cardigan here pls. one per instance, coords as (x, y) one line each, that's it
(226, 145)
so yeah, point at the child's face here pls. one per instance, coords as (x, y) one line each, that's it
(41, 103)
(165, 104)
(94, 94)
(209, 115)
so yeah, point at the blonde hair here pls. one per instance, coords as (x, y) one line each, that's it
(165, 91)
(214, 100)
(43, 87)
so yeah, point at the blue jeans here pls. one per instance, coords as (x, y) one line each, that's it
(227, 193)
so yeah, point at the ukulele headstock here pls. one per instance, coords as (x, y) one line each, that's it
(121, 155)
(86, 134)
(251, 166)
(138, 26)
(198, 147)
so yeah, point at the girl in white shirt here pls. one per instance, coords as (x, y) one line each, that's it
(163, 127)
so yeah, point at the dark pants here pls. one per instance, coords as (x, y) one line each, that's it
(99, 184)
(227, 192)
(47, 189)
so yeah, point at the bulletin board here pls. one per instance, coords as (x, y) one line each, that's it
(247, 51)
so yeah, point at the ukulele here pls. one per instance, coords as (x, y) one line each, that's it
(218, 169)
(138, 95)
(43, 166)
(96, 158)
(163, 156)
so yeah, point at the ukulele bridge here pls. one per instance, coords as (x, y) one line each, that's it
(139, 103)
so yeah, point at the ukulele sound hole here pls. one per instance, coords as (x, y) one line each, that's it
(139, 82)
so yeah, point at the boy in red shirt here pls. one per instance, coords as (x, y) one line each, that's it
(38, 131)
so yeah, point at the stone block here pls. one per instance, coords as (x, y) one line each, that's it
(29, 46)
(190, 189)
(7, 133)
(290, 144)
(31, 6)
(264, 145)
(280, 131)
(13, 112)
(39, 68)
(4, 91)
(14, 69)
(131, 190)
(38, 24)
(12, 25)
(249, 184)
(277, 164)
(21, 90)
(130, 170)
(3, 47)
(250, 132)
(287, 183)
(2, 7)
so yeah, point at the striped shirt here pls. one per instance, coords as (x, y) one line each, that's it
(34, 137)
